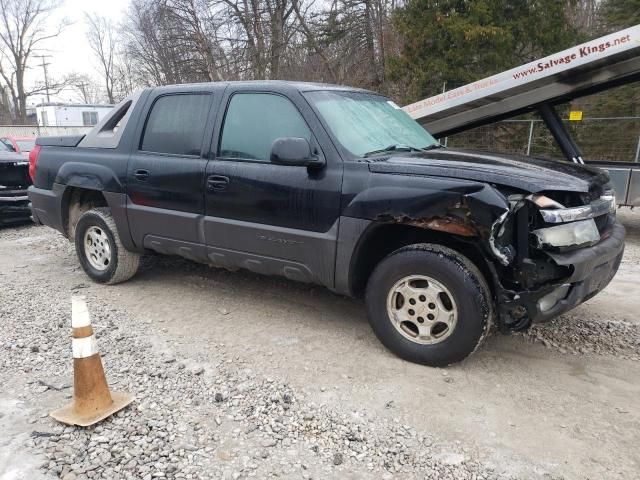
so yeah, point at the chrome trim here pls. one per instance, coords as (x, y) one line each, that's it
(14, 199)
(603, 205)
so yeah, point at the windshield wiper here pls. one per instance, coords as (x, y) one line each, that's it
(433, 147)
(394, 148)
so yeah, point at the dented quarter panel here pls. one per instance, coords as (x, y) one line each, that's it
(90, 176)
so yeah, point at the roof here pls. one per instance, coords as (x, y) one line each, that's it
(581, 70)
(78, 105)
(295, 85)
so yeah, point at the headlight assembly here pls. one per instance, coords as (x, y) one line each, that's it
(575, 234)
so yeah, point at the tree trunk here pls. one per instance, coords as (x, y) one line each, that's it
(371, 49)
(21, 104)
(277, 39)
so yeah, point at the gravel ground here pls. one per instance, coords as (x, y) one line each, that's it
(588, 331)
(193, 418)
(239, 376)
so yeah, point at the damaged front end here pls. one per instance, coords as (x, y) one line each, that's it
(14, 181)
(546, 252)
(555, 251)
(546, 230)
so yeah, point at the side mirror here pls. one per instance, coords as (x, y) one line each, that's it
(295, 152)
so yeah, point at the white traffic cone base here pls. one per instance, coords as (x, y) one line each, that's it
(68, 415)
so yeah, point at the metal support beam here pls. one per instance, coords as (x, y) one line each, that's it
(554, 123)
(530, 138)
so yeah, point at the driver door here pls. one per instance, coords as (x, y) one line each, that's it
(272, 219)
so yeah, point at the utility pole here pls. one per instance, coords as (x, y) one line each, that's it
(82, 86)
(46, 78)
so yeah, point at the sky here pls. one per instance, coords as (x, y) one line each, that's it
(70, 52)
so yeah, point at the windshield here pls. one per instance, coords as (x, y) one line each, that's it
(365, 123)
(26, 145)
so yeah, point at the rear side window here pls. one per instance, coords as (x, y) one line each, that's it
(176, 125)
(254, 121)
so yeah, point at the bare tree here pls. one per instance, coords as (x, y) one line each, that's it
(583, 14)
(22, 30)
(101, 36)
(5, 107)
(87, 89)
(343, 41)
(125, 76)
(267, 27)
(152, 44)
(199, 31)
(312, 39)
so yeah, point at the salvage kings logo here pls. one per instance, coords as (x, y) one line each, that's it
(582, 52)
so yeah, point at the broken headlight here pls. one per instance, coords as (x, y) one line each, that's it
(555, 212)
(576, 234)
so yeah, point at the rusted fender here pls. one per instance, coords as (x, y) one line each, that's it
(460, 207)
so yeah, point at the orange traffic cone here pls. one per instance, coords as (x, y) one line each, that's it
(92, 400)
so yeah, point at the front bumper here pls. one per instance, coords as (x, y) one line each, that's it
(14, 206)
(592, 270)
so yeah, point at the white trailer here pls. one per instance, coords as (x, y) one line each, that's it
(71, 115)
(539, 86)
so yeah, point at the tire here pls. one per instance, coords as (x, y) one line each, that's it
(105, 260)
(444, 286)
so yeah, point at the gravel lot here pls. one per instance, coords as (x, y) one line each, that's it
(242, 376)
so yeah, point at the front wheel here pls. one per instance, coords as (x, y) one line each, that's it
(428, 304)
(100, 251)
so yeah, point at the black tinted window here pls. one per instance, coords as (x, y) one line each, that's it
(176, 125)
(254, 121)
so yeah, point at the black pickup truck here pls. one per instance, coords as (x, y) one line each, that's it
(335, 186)
(14, 181)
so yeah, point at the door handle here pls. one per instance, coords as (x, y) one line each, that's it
(142, 175)
(216, 183)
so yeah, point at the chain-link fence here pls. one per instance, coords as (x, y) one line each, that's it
(38, 131)
(600, 139)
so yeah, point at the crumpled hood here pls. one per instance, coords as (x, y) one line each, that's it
(517, 171)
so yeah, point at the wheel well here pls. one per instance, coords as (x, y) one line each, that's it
(75, 202)
(379, 241)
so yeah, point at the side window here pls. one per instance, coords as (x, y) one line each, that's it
(176, 124)
(7, 143)
(89, 119)
(254, 121)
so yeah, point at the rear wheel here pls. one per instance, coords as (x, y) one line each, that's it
(428, 304)
(100, 251)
